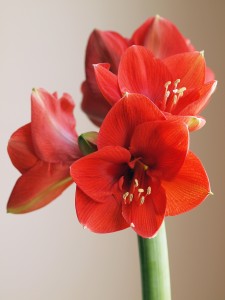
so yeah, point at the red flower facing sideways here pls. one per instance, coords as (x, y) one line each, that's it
(156, 34)
(141, 172)
(43, 151)
(176, 84)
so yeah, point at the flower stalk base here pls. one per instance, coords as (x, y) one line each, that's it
(154, 263)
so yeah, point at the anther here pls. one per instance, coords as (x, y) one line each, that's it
(125, 195)
(131, 197)
(167, 84)
(176, 83)
(140, 190)
(142, 200)
(149, 190)
(135, 182)
(181, 91)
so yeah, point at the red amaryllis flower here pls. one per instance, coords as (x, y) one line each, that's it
(175, 84)
(142, 171)
(43, 151)
(156, 34)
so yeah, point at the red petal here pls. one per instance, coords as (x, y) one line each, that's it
(188, 189)
(38, 187)
(147, 218)
(140, 34)
(53, 133)
(120, 122)
(20, 149)
(103, 47)
(162, 146)
(162, 38)
(196, 101)
(140, 72)
(193, 122)
(107, 83)
(99, 217)
(97, 174)
(209, 76)
(94, 104)
(188, 67)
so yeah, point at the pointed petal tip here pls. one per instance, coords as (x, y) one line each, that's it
(202, 53)
(12, 210)
(214, 85)
(195, 123)
(211, 193)
(158, 17)
(35, 91)
(104, 65)
(126, 95)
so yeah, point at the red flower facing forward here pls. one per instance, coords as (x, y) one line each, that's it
(156, 34)
(43, 151)
(141, 172)
(175, 84)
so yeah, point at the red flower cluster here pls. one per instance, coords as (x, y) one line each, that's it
(146, 93)
(176, 84)
(158, 35)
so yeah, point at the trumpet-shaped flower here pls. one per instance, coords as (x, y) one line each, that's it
(157, 34)
(142, 171)
(43, 151)
(175, 84)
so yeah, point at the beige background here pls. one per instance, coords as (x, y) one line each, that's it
(47, 255)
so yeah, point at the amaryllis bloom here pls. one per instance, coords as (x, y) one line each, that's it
(142, 171)
(43, 151)
(156, 34)
(175, 84)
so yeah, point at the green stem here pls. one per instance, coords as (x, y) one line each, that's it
(154, 264)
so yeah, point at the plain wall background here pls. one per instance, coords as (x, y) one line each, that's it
(46, 254)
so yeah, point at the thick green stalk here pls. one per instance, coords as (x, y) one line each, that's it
(154, 263)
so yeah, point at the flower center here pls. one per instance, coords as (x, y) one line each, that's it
(172, 97)
(138, 187)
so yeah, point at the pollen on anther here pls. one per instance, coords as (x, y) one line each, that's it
(149, 190)
(131, 197)
(167, 84)
(142, 200)
(176, 82)
(135, 182)
(125, 195)
(140, 190)
(181, 90)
